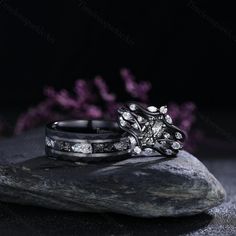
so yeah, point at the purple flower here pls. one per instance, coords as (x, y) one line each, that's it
(103, 89)
(136, 90)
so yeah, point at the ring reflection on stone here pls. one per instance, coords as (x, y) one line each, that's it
(85, 140)
(150, 129)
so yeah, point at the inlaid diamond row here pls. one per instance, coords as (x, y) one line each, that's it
(87, 148)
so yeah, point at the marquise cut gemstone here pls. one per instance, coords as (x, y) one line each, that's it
(157, 127)
(168, 119)
(127, 115)
(152, 109)
(132, 140)
(122, 122)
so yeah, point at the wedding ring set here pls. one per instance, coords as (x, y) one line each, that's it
(141, 131)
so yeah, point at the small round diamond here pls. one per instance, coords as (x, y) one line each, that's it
(163, 109)
(163, 142)
(178, 135)
(122, 122)
(176, 145)
(168, 152)
(152, 109)
(137, 150)
(127, 116)
(168, 119)
(166, 135)
(135, 126)
(140, 118)
(132, 107)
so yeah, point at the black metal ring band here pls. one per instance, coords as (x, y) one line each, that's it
(85, 140)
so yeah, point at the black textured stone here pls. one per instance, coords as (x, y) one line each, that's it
(146, 186)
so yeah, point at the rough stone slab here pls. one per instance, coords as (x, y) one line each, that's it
(146, 187)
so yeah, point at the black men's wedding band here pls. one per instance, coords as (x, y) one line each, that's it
(85, 140)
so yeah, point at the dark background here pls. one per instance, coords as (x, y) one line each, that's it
(185, 48)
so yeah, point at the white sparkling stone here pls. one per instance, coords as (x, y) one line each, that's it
(120, 146)
(163, 142)
(163, 109)
(82, 148)
(122, 122)
(150, 141)
(157, 127)
(148, 151)
(168, 152)
(132, 107)
(168, 119)
(127, 115)
(152, 109)
(176, 145)
(140, 118)
(135, 126)
(178, 135)
(132, 140)
(137, 150)
(166, 135)
(49, 142)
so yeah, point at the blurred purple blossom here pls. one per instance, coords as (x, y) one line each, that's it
(93, 99)
(136, 90)
(103, 90)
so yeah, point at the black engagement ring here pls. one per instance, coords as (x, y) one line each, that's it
(150, 129)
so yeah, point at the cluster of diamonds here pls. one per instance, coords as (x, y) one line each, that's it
(88, 148)
(150, 128)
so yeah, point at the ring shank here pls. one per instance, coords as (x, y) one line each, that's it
(85, 140)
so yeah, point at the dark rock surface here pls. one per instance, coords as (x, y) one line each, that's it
(147, 186)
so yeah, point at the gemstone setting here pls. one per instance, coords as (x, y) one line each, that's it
(137, 150)
(132, 140)
(127, 115)
(178, 135)
(166, 135)
(163, 109)
(49, 142)
(120, 146)
(152, 109)
(168, 152)
(122, 122)
(85, 148)
(168, 119)
(132, 107)
(176, 145)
